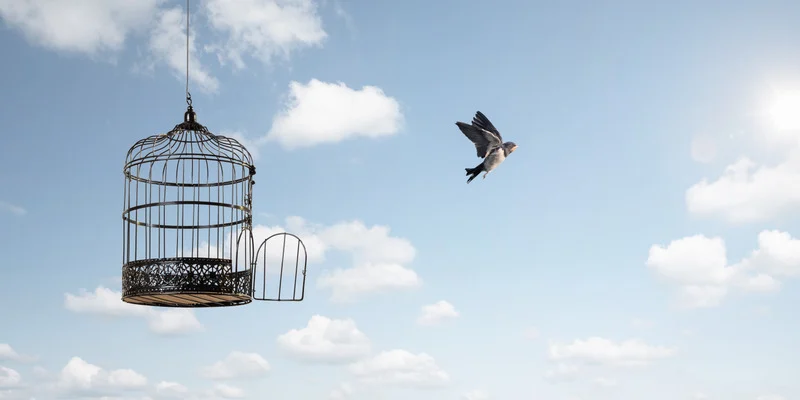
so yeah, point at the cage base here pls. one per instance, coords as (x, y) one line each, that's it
(188, 299)
(185, 283)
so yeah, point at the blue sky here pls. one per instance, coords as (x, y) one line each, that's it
(638, 244)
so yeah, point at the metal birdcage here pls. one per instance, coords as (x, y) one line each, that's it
(187, 230)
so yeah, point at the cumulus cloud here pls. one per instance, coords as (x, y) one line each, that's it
(8, 353)
(748, 192)
(79, 377)
(379, 259)
(168, 45)
(228, 392)
(321, 112)
(401, 368)
(107, 302)
(89, 27)
(698, 265)
(596, 350)
(326, 340)
(9, 378)
(237, 365)
(171, 390)
(436, 313)
(263, 29)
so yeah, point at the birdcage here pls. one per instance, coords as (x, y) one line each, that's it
(187, 225)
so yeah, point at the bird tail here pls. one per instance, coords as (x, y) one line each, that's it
(474, 172)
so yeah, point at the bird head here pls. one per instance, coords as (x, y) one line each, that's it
(510, 146)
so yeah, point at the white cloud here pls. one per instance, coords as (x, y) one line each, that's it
(171, 389)
(401, 368)
(378, 257)
(596, 350)
(174, 322)
(699, 266)
(476, 395)
(168, 44)
(8, 353)
(88, 26)
(321, 112)
(80, 377)
(237, 365)
(699, 396)
(8, 207)
(9, 378)
(438, 312)
(747, 192)
(326, 340)
(228, 391)
(107, 302)
(263, 28)
(703, 149)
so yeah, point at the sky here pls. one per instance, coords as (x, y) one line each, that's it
(641, 242)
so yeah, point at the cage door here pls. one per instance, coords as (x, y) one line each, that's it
(279, 269)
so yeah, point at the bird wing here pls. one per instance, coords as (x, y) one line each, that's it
(482, 122)
(484, 140)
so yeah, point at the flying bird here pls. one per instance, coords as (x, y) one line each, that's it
(488, 143)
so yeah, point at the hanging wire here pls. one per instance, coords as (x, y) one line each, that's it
(188, 95)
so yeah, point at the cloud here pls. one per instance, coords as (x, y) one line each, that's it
(401, 368)
(326, 340)
(321, 112)
(436, 313)
(89, 27)
(596, 350)
(171, 389)
(107, 302)
(79, 377)
(8, 353)
(168, 45)
(699, 266)
(476, 395)
(8, 207)
(9, 378)
(228, 391)
(378, 258)
(237, 365)
(748, 192)
(263, 29)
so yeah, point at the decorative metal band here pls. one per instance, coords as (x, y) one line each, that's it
(184, 275)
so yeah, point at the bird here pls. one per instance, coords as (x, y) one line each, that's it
(488, 143)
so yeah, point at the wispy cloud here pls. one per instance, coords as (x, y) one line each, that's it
(14, 209)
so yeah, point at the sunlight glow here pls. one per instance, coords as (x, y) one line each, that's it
(784, 111)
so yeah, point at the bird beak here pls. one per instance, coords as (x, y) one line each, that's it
(513, 148)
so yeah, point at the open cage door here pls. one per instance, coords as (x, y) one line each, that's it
(279, 268)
